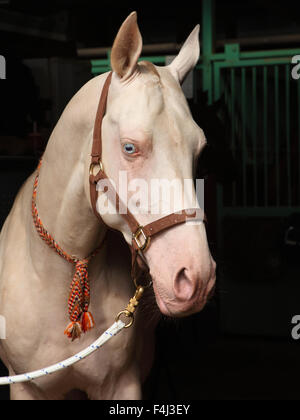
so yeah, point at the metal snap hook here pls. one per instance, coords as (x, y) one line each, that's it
(127, 314)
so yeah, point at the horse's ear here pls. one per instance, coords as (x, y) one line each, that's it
(188, 56)
(127, 48)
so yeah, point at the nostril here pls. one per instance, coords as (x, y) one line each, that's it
(184, 288)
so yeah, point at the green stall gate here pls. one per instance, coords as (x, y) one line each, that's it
(259, 281)
(263, 103)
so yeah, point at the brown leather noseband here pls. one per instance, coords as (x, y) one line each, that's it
(141, 235)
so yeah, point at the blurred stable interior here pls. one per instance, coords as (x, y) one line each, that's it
(244, 97)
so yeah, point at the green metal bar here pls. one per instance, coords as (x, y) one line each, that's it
(232, 53)
(232, 116)
(265, 135)
(254, 132)
(154, 59)
(288, 53)
(100, 70)
(244, 144)
(218, 57)
(254, 62)
(288, 132)
(207, 46)
(271, 53)
(277, 137)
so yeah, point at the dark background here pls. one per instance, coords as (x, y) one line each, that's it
(240, 346)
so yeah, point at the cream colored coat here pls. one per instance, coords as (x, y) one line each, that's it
(146, 107)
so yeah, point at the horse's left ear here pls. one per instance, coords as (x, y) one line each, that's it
(127, 48)
(188, 56)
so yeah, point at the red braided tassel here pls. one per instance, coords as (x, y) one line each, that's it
(87, 322)
(79, 298)
(73, 330)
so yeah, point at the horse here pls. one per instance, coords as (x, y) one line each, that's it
(147, 132)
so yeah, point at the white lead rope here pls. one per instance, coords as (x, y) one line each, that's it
(27, 377)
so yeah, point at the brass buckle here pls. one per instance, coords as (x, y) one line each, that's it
(136, 237)
(94, 165)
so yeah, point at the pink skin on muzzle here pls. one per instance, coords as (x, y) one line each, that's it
(182, 269)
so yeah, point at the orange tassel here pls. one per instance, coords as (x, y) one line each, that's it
(87, 321)
(73, 330)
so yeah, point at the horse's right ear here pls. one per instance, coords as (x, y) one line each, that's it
(127, 48)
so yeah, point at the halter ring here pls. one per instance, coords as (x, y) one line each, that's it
(94, 165)
(127, 314)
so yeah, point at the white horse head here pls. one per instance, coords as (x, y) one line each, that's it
(149, 133)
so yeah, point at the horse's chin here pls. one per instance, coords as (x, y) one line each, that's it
(173, 309)
(162, 305)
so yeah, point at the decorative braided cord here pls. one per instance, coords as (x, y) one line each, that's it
(79, 298)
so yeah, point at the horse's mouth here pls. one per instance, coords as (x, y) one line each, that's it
(162, 305)
(175, 309)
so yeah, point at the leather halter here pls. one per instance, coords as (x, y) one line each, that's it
(141, 235)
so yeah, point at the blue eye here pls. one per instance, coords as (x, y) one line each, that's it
(129, 148)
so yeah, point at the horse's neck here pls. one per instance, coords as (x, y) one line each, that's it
(63, 192)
